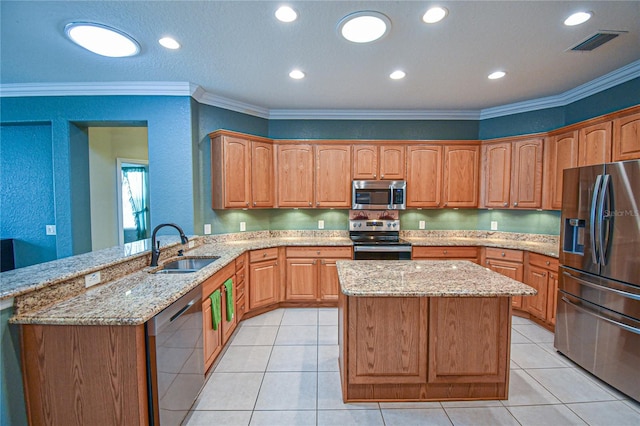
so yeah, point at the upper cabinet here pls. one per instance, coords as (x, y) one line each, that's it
(241, 172)
(371, 162)
(333, 176)
(512, 174)
(460, 179)
(561, 152)
(424, 175)
(626, 137)
(295, 175)
(594, 144)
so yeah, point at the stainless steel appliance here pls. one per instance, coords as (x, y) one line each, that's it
(379, 195)
(598, 317)
(376, 236)
(175, 365)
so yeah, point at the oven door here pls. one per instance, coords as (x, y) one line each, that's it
(381, 252)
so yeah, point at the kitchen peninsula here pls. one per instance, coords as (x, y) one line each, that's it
(424, 330)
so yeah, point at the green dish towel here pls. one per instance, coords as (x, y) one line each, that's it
(228, 285)
(216, 315)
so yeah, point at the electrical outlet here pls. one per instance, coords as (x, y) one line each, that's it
(494, 225)
(321, 224)
(421, 224)
(50, 229)
(243, 226)
(191, 244)
(92, 279)
(207, 229)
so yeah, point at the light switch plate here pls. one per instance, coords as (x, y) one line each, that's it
(494, 225)
(321, 224)
(421, 224)
(50, 229)
(92, 279)
(207, 229)
(243, 226)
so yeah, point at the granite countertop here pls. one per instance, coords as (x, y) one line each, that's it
(425, 278)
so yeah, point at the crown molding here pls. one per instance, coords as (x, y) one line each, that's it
(150, 88)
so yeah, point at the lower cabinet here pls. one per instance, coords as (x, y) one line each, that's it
(508, 263)
(446, 253)
(311, 273)
(264, 278)
(241, 285)
(541, 273)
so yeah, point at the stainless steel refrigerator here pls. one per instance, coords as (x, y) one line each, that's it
(598, 317)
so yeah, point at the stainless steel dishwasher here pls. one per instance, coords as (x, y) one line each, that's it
(175, 365)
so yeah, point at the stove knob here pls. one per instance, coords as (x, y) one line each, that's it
(395, 224)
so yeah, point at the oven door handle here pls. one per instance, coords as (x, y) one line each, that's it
(383, 249)
(603, 318)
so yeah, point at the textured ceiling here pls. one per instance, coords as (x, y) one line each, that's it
(238, 50)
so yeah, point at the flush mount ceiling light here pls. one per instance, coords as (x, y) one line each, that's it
(169, 43)
(435, 14)
(286, 14)
(296, 74)
(578, 18)
(397, 75)
(364, 27)
(496, 75)
(101, 39)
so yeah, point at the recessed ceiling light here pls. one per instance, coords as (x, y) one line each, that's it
(364, 27)
(101, 39)
(286, 14)
(169, 43)
(496, 75)
(578, 18)
(435, 14)
(397, 75)
(296, 74)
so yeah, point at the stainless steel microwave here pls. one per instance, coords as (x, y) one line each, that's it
(379, 195)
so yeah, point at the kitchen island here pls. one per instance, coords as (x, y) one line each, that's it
(424, 330)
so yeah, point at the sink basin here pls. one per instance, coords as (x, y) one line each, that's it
(186, 265)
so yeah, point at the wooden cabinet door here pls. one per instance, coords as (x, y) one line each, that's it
(237, 172)
(526, 174)
(212, 339)
(333, 176)
(263, 283)
(302, 279)
(552, 297)
(562, 154)
(510, 269)
(626, 138)
(392, 162)
(328, 284)
(227, 326)
(496, 175)
(424, 175)
(262, 185)
(365, 162)
(460, 183)
(295, 175)
(537, 278)
(594, 144)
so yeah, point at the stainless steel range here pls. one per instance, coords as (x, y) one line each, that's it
(376, 235)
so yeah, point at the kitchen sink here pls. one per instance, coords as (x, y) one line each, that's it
(186, 265)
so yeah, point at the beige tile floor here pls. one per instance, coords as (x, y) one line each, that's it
(281, 368)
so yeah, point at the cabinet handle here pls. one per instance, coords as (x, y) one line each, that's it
(318, 252)
(544, 274)
(276, 264)
(381, 176)
(317, 203)
(488, 263)
(247, 204)
(374, 175)
(548, 263)
(445, 204)
(254, 204)
(309, 203)
(264, 254)
(506, 204)
(324, 262)
(502, 254)
(315, 262)
(515, 204)
(444, 251)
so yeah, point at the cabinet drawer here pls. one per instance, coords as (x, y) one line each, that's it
(264, 254)
(241, 261)
(504, 254)
(240, 275)
(212, 283)
(241, 307)
(325, 252)
(239, 290)
(543, 261)
(445, 252)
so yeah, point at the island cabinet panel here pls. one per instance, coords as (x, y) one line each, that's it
(380, 353)
(85, 375)
(333, 176)
(468, 339)
(561, 152)
(295, 175)
(264, 278)
(626, 137)
(424, 176)
(496, 174)
(460, 181)
(594, 144)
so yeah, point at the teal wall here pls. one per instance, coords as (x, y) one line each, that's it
(12, 408)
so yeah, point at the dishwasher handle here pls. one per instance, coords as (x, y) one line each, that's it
(174, 311)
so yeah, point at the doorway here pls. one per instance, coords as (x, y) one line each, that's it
(133, 200)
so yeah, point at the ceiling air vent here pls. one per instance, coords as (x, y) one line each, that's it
(596, 40)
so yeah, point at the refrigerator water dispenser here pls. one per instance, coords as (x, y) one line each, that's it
(574, 236)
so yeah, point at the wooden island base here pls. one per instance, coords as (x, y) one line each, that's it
(424, 348)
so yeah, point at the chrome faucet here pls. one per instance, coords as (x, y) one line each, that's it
(155, 247)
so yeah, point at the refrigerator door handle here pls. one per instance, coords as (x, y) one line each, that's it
(609, 320)
(603, 236)
(602, 288)
(595, 255)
